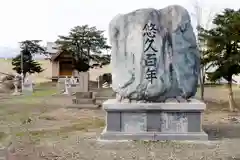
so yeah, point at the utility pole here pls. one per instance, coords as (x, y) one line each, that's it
(198, 10)
(22, 77)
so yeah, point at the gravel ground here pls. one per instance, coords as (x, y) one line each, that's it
(222, 128)
(223, 144)
(86, 146)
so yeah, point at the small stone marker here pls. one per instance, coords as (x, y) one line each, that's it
(71, 85)
(67, 85)
(27, 87)
(73, 81)
(83, 82)
(15, 83)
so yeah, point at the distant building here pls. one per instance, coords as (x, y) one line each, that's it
(61, 62)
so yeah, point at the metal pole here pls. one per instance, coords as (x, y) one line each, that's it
(22, 70)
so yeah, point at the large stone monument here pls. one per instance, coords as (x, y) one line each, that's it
(155, 68)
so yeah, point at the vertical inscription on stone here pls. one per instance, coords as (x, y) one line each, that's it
(149, 34)
(134, 122)
(174, 122)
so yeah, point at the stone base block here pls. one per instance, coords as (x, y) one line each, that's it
(153, 136)
(80, 95)
(153, 121)
(83, 101)
(83, 106)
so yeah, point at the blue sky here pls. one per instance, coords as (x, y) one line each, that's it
(45, 19)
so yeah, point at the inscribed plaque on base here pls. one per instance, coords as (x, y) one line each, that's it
(174, 122)
(134, 122)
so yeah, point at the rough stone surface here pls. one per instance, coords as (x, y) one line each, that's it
(154, 54)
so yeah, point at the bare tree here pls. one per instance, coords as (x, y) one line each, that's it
(198, 15)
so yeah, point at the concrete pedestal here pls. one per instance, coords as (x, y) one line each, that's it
(153, 121)
(84, 98)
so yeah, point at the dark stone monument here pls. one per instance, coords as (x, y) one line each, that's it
(155, 68)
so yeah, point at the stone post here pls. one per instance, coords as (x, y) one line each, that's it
(15, 83)
(66, 83)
